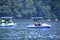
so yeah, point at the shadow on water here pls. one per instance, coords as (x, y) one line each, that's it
(20, 32)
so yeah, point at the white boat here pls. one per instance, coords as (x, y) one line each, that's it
(42, 26)
(7, 24)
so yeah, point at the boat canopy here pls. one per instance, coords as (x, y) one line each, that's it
(7, 17)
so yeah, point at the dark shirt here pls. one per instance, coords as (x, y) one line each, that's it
(37, 24)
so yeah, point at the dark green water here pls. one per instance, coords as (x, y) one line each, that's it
(20, 32)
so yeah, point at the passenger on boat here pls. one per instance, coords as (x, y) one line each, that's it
(9, 21)
(3, 21)
(36, 23)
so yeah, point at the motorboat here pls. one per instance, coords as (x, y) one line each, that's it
(9, 23)
(43, 25)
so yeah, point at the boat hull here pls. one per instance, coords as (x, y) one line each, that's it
(4, 25)
(42, 26)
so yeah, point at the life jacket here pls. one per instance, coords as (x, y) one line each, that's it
(37, 24)
(3, 21)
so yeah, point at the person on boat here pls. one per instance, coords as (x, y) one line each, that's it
(3, 21)
(36, 23)
(9, 21)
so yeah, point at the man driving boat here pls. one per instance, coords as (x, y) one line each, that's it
(36, 23)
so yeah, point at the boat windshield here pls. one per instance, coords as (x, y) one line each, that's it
(6, 19)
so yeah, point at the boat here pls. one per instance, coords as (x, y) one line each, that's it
(42, 26)
(7, 24)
